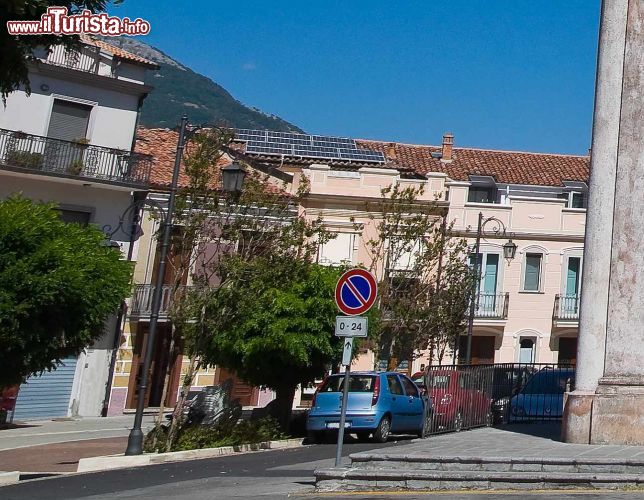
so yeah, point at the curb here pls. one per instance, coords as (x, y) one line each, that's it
(9, 478)
(94, 464)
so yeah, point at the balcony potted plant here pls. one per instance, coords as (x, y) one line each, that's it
(75, 167)
(25, 159)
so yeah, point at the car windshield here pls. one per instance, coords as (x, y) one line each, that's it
(357, 383)
(437, 381)
(548, 382)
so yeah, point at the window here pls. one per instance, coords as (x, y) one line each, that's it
(532, 272)
(394, 385)
(577, 200)
(574, 199)
(480, 194)
(410, 387)
(338, 250)
(357, 383)
(75, 216)
(68, 120)
(526, 350)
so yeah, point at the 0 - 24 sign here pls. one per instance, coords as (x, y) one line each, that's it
(350, 326)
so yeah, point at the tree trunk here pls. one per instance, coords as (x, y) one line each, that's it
(177, 414)
(281, 409)
(164, 393)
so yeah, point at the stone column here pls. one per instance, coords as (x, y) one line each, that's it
(599, 221)
(618, 409)
(609, 409)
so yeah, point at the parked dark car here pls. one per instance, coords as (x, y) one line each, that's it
(507, 381)
(542, 396)
(379, 404)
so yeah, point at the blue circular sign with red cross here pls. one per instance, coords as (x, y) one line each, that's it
(356, 292)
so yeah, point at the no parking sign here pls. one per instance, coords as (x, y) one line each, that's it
(356, 292)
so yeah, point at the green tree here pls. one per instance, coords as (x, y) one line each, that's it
(16, 51)
(58, 284)
(278, 332)
(425, 283)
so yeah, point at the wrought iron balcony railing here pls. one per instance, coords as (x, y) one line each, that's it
(566, 307)
(86, 60)
(492, 305)
(141, 304)
(34, 153)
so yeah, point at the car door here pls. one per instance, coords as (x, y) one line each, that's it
(415, 408)
(397, 402)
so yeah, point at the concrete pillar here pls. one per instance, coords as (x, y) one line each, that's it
(608, 405)
(599, 221)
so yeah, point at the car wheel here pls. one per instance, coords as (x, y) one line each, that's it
(382, 431)
(458, 422)
(427, 426)
(363, 436)
(316, 437)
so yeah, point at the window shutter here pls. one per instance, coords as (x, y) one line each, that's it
(68, 120)
(532, 272)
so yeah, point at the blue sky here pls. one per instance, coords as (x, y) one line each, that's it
(500, 74)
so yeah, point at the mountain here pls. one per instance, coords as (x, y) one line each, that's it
(179, 90)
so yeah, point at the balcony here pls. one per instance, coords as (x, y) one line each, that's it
(566, 308)
(29, 153)
(492, 306)
(141, 304)
(87, 60)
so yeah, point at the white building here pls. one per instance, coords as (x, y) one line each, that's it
(70, 142)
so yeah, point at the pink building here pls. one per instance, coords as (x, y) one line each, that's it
(528, 307)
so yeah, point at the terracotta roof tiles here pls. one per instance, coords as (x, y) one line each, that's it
(118, 52)
(511, 167)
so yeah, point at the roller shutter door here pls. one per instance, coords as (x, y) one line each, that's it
(46, 396)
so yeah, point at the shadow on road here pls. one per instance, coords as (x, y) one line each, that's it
(546, 430)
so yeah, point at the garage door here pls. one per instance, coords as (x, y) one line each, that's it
(46, 396)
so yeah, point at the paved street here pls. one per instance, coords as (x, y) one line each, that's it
(273, 473)
(270, 474)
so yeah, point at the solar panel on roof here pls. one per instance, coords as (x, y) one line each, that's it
(307, 146)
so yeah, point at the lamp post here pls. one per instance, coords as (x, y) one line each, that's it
(232, 179)
(509, 251)
(135, 439)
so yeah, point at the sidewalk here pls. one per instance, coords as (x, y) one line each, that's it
(56, 446)
(517, 457)
(60, 431)
(538, 440)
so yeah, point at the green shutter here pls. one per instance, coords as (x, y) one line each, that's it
(532, 272)
(572, 277)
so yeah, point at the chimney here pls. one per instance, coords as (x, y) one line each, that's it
(391, 151)
(448, 146)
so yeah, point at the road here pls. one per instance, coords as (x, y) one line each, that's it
(271, 474)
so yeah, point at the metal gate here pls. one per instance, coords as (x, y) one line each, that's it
(48, 395)
(467, 396)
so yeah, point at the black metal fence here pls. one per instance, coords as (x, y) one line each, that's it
(467, 396)
(35, 153)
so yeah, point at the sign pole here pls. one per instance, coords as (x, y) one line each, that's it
(355, 293)
(343, 415)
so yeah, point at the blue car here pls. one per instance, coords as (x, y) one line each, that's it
(542, 396)
(379, 404)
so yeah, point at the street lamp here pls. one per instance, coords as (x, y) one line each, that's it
(509, 251)
(233, 178)
(135, 439)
